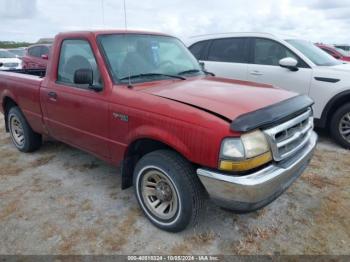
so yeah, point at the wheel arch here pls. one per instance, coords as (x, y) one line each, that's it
(7, 103)
(332, 106)
(137, 149)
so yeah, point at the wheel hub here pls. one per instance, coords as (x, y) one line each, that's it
(17, 132)
(159, 193)
(163, 191)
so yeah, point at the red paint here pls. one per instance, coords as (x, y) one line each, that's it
(84, 118)
(333, 52)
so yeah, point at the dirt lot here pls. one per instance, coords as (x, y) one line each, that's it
(60, 200)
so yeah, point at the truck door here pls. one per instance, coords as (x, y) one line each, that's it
(75, 113)
(265, 67)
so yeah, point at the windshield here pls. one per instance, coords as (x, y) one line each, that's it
(147, 57)
(315, 54)
(6, 54)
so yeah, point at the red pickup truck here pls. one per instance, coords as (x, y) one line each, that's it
(36, 56)
(142, 101)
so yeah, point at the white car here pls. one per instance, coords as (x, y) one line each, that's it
(9, 60)
(291, 64)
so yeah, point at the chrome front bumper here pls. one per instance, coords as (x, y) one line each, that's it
(251, 192)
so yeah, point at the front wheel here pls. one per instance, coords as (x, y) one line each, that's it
(168, 190)
(340, 126)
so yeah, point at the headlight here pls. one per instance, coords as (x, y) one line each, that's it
(247, 152)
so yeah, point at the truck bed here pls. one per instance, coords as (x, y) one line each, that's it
(35, 72)
(23, 87)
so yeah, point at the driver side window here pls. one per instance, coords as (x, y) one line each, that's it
(77, 54)
(268, 52)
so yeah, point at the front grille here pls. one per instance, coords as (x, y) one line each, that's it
(289, 137)
(10, 64)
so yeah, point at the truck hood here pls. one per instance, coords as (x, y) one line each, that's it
(226, 98)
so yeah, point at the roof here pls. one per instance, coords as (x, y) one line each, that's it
(39, 45)
(106, 32)
(231, 34)
(197, 38)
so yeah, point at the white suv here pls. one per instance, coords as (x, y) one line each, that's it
(291, 64)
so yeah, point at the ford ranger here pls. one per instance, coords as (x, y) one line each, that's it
(141, 100)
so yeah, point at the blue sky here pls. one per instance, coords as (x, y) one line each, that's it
(315, 20)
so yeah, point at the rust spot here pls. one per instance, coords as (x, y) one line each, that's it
(42, 161)
(50, 230)
(114, 195)
(119, 235)
(10, 169)
(9, 209)
(86, 205)
(69, 242)
(81, 167)
(71, 215)
(252, 240)
(193, 242)
(318, 181)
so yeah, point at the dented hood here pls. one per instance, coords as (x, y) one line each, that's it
(227, 98)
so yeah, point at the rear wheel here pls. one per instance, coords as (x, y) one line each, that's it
(168, 190)
(340, 126)
(22, 135)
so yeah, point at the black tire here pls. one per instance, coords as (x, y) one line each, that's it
(335, 128)
(188, 188)
(31, 140)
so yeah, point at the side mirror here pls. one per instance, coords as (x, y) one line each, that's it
(85, 76)
(289, 63)
(46, 57)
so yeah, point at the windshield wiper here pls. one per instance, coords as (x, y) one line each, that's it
(150, 75)
(190, 71)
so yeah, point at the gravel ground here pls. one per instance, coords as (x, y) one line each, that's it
(60, 200)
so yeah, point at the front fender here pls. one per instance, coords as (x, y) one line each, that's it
(161, 135)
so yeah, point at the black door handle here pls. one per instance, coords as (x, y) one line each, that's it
(52, 95)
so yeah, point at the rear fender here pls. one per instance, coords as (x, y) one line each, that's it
(6, 94)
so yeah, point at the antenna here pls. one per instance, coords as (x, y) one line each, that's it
(125, 23)
(126, 27)
(103, 13)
